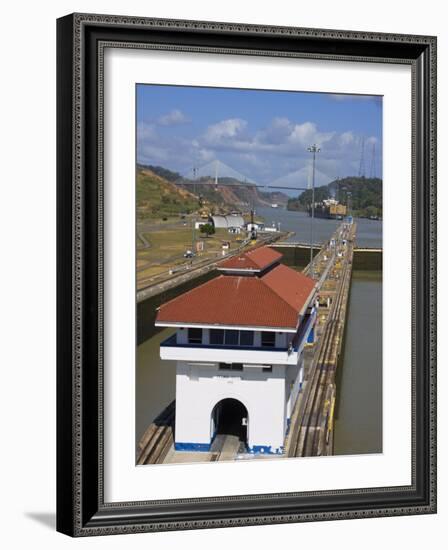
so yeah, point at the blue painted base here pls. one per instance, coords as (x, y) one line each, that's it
(200, 447)
(205, 448)
(265, 449)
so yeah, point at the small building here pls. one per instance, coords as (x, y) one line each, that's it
(239, 345)
(255, 226)
(198, 225)
(219, 222)
(234, 230)
(233, 221)
(225, 247)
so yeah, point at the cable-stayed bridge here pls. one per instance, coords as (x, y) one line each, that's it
(216, 170)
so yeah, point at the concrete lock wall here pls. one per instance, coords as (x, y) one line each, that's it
(364, 259)
(367, 260)
(200, 387)
(296, 256)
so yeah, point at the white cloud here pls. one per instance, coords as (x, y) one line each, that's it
(145, 131)
(173, 118)
(280, 137)
(150, 154)
(307, 134)
(224, 130)
(303, 133)
(347, 138)
(276, 152)
(205, 155)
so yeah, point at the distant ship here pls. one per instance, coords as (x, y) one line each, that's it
(330, 209)
(274, 205)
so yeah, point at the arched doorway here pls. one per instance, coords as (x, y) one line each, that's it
(230, 418)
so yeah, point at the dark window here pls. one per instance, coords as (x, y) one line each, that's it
(267, 369)
(268, 339)
(231, 337)
(216, 337)
(195, 336)
(247, 338)
(230, 366)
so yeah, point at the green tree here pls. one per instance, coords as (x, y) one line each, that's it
(371, 211)
(207, 229)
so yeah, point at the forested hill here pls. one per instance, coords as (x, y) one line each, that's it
(231, 193)
(364, 194)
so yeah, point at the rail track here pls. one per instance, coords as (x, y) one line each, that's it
(158, 438)
(312, 424)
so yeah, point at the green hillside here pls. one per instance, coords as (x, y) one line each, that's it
(159, 198)
(364, 196)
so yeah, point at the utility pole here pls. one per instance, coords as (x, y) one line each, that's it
(373, 163)
(362, 165)
(194, 179)
(216, 173)
(312, 149)
(193, 219)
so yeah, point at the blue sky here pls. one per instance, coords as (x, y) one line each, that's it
(261, 135)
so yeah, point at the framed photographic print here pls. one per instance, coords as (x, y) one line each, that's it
(246, 274)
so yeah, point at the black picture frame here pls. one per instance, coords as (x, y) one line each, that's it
(81, 510)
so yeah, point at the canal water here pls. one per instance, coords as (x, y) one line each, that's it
(155, 382)
(358, 420)
(368, 232)
(358, 413)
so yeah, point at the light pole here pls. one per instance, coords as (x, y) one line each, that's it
(312, 149)
(349, 202)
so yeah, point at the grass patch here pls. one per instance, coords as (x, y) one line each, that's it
(167, 248)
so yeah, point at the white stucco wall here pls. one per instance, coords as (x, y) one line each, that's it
(200, 387)
(282, 339)
(269, 397)
(293, 380)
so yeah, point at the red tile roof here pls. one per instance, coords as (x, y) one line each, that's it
(273, 300)
(256, 259)
(294, 287)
